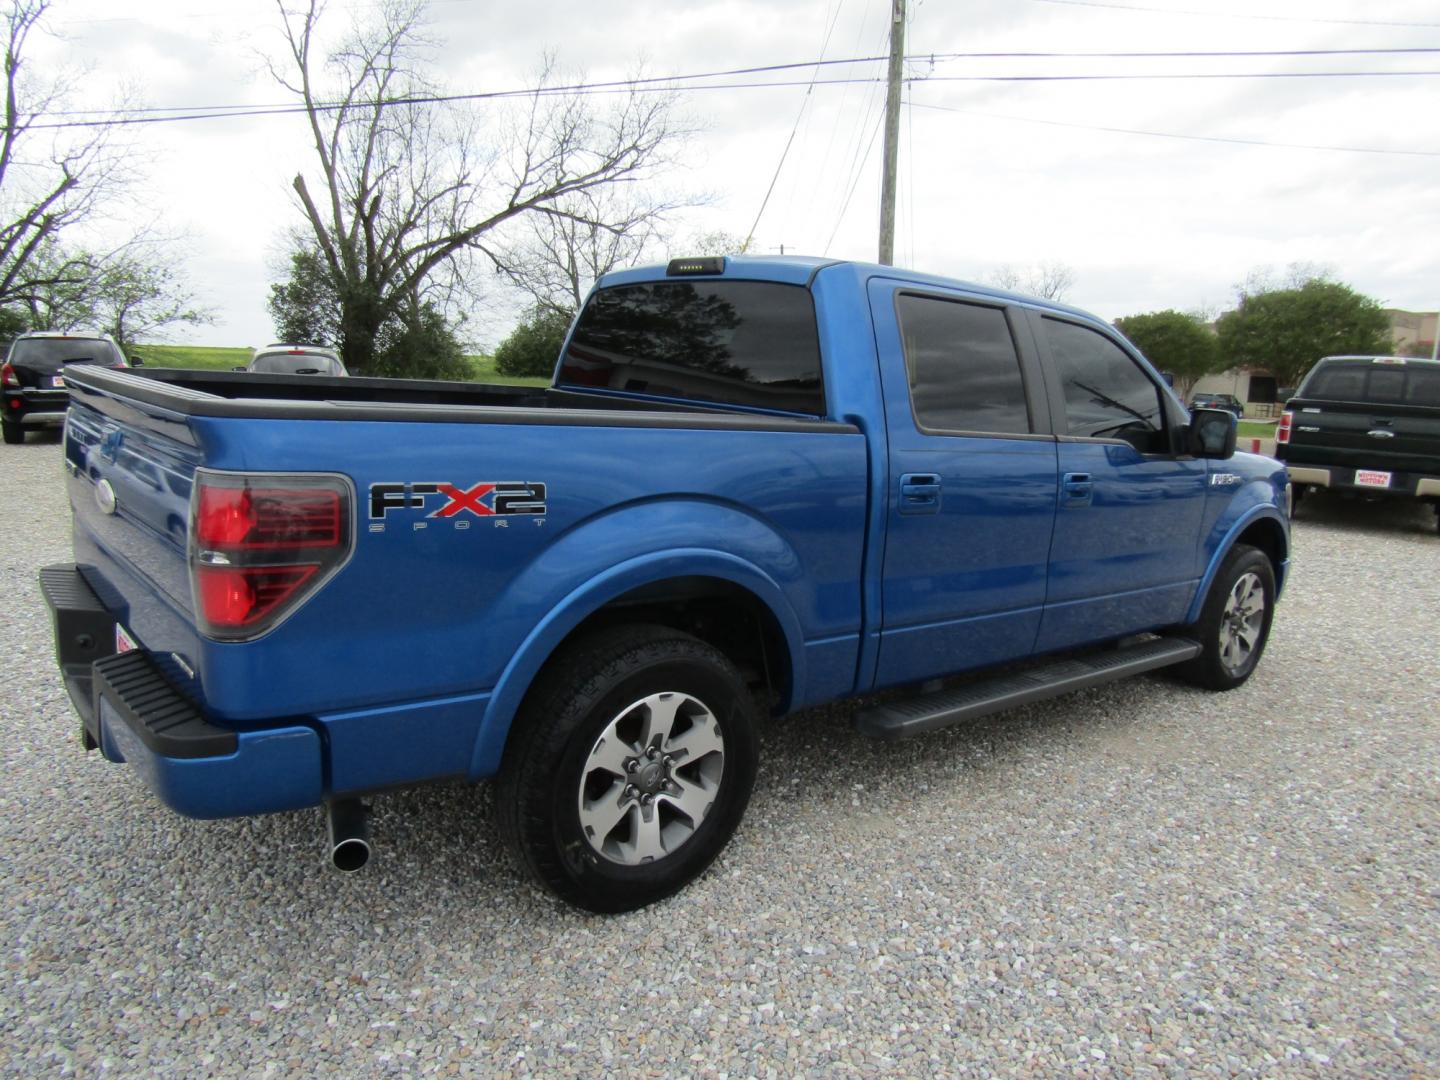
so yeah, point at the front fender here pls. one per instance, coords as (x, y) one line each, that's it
(1254, 502)
(621, 551)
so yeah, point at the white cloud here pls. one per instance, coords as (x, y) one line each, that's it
(1145, 222)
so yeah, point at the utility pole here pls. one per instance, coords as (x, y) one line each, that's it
(892, 134)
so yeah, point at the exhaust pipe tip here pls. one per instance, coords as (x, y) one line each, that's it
(350, 855)
(349, 823)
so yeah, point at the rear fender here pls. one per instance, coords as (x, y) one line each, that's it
(598, 570)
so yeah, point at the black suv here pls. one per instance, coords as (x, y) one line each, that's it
(1219, 401)
(34, 376)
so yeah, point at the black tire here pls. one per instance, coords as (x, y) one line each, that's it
(1233, 628)
(14, 433)
(619, 684)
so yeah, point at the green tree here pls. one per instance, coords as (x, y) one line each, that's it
(534, 346)
(305, 306)
(414, 340)
(1175, 342)
(12, 323)
(1284, 331)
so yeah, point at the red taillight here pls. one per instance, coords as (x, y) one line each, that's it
(259, 545)
(1282, 429)
(268, 517)
(7, 376)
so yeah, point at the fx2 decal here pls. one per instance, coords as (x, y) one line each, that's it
(418, 504)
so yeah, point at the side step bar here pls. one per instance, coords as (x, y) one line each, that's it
(928, 712)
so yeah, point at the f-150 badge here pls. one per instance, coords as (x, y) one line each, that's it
(422, 503)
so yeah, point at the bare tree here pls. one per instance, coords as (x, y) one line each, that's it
(409, 189)
(1047, 280)
(131, 292)
(565, 248)
(51, 179)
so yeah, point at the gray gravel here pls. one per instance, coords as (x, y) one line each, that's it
(1141, 880)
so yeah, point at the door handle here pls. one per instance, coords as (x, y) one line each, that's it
(1078, 487)
(919, 493)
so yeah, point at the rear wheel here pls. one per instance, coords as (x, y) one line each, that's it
(1235, 622)
(14, 433)
(629, 767)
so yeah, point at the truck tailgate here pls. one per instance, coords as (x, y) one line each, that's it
(1399, 438)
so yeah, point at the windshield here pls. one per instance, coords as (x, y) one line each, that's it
(47, 355)
(288, 363)
(750, 343)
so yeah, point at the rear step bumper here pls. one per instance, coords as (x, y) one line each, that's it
(928, 712)
(135, 714)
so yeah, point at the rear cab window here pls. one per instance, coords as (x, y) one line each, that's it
(1381, 382)
(747, 344)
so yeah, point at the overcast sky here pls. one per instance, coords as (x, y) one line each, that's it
(1155, 193)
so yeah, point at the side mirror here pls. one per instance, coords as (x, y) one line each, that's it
(1212, 433)
(136, 361)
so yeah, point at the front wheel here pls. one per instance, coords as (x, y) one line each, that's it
(629, 767)
(1235, 622)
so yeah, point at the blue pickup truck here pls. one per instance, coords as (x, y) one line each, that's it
(755, 485)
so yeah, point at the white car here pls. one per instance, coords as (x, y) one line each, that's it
(285, 359)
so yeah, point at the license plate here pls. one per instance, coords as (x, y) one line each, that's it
(57, 380)
(1371, 478)
(123, 641)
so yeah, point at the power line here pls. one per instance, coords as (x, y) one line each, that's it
(804, 101)
(666, 82)
(1180, 76)
(667, 86)
(1236, 15)
(1177, 135)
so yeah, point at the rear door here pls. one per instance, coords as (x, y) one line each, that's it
(972, 483)
(1126, 551)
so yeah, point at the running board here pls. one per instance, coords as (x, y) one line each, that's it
(927, 712)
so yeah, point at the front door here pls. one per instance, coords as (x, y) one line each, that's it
(1126, 551)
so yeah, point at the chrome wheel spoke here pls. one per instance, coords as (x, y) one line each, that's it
(645, 843)
(660, 718)
(701, 739)
(599, 816)
(692, 800)
(610, 753)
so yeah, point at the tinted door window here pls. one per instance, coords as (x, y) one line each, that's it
(962, 365)
(1107, 395)
(735, 342)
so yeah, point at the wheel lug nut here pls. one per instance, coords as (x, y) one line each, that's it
(630, 791)
(669, 760)
(630, 764)
(651, 753)
(646, 800)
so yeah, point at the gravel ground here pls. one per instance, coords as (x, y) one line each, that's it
(1142, 880)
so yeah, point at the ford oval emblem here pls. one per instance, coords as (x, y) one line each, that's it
(105, 497)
